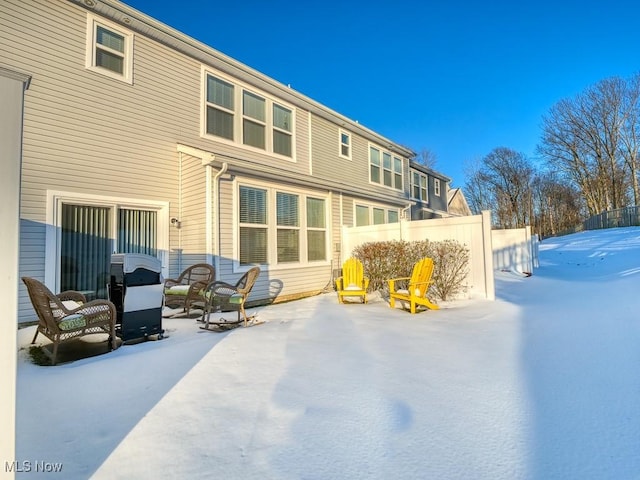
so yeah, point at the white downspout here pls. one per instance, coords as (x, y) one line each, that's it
(179, 211)
(213, 216)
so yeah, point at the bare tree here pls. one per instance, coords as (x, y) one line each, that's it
(476, 191)
(427, 158)
(502, 182)
(556, 204)
(592, 141)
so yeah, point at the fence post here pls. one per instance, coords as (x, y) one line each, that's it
(489, 286)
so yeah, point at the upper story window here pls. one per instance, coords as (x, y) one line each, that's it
(254, 120)
(436, 187)
(220, 108)
(282, 130)
(237, 114)
(419, 186)
(109, 49)
(345, 145)
(385, 168)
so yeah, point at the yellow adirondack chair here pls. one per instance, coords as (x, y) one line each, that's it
(416, 292)
(352, 283)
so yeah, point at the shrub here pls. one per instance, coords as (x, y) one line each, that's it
(394, 259)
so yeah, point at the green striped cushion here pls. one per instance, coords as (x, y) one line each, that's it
(72, 322)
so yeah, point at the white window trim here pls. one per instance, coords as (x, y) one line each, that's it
(381, 182)
(426, 177)
(238, 116)
(55, 199)
(436, 187)
(342, 132)
(371, 206)
(93, 22)
(272, 227)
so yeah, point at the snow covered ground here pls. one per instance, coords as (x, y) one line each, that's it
(543, 383)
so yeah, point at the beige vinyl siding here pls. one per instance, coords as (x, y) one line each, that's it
(336, 230)
(329, 166)
(193, 247)
(87, 133)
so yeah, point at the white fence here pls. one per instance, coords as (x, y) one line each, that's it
(515, 250)
(472, 231)
(511, 250)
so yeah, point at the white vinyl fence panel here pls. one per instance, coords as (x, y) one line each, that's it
(472, 231)
(515, 250)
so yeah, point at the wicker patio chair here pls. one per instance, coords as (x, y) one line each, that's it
(60, 320)
(224, 297)
(187, 290)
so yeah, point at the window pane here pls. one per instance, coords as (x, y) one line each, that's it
(374, 155)
(287, 210)
(253, 106)
(344, 139)
(253, 245)
(282, 118)
(85, 249)
(253, 134)
(393, 216)
(397, 165)
(375, 174)
(219, 123)
(282, 143)
(387, 177)
(137, 231)
(288, 245)
(315, 213)
(344, 150)
(386, 161)
(219, 92)
(378, 216)
(253, 205)
(316, 247)
(397, 182)
(110, 61)
(362, 215)
(109, 39)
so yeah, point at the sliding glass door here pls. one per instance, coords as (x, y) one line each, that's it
(90, 234)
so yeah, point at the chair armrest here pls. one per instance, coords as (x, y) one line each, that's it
(340, 283)
(95, 310)
(392, 282)
(366, 283)
(171, 282)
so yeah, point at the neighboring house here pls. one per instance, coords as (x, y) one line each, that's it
(138, 138)
(458, 205)
(428, 191)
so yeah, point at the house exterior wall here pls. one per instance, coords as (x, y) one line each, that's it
(12, 86)
(85, 133)
(92, 138)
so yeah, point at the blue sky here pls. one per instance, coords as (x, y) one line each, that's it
(459, 78)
